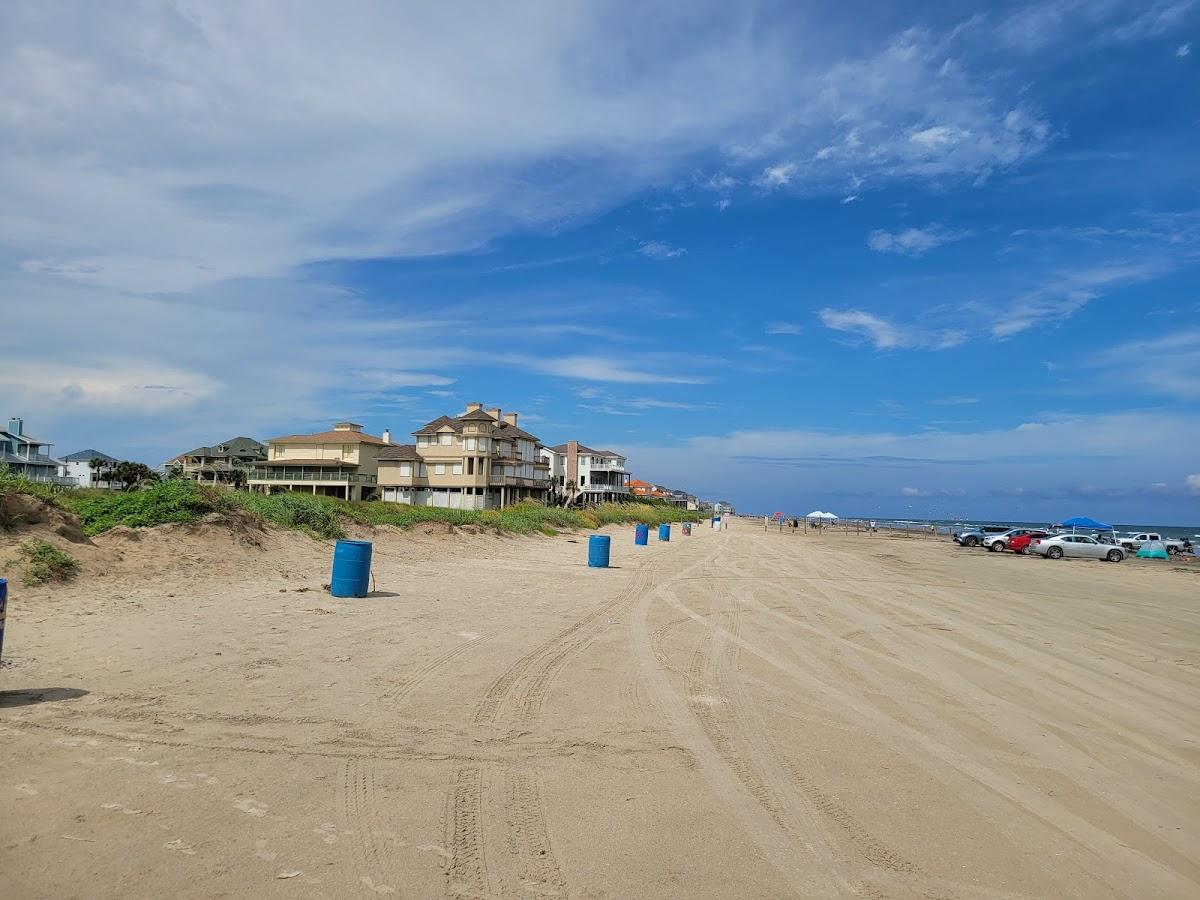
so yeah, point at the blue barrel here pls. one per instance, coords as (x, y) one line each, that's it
(716, 521)
(3, 607)
(351, 569)
(641, 535)
(664, 532)
(598, 547)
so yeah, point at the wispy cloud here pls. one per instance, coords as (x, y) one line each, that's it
(953, 401)
(1168, 365)
(659, 250)
(1183, 50)
(603, 368)
(913, 241)
(887, 335)
(782, 328)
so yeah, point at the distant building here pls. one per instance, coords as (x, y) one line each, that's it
(723, 508)
(646, 489)
(594, 475)
(78, 466)
(221, 462)
(29, 456)
(479, 459)
(341, 463)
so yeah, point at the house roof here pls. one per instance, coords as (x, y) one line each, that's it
(25, 437)
(503, 429)
(407, 452)
(309, 463)
(562, 448)
(331, 437)
(87, 456)
(476, 415)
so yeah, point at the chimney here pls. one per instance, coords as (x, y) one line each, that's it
(472, 407)
(511, 418)
(15, 426)
(494, 412)
(573, 462)
(387, 435)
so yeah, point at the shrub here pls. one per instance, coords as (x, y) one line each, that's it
(12, 483)
(314, 515)
(45, 562)
(156, 504)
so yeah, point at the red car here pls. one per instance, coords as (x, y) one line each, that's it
(1020, 544)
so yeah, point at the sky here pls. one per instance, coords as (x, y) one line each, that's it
(892, 259)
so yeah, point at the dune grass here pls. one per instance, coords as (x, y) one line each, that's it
(181, 500)
(44, 562)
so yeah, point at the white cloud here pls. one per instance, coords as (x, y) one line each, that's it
(885, 335)
(783, 328)
(913, 492)
(659, 250)
(1183, 50)
(601, 368)
(1067, 292)
(913, 241)
(954, 401)
(1193, 483)
(1167, 365)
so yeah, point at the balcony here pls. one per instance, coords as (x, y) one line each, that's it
(272, 475)
(47, 478)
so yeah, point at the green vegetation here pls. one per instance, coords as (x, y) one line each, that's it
(11, 483)
(182, 500)
(156, 504)
(45, 562)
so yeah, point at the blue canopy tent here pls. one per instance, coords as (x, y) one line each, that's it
(1086, 524)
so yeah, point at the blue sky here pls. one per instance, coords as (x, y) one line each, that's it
(938, 259)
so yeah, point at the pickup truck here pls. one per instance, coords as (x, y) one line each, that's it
(1135, 541)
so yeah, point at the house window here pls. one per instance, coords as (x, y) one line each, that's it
(457, 470)
(406, 468)
(444, 439)
(470, 443)
(347, 451)
(470, 426)
(470, 465)
(423, 471)
(439, 469)
(422, 441)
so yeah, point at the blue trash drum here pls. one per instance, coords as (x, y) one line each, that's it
(599, 546)
(3, 607)
(664, 532)
(716, 522)
(641, 535)
(351, 569)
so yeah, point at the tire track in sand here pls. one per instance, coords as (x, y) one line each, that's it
(515, 699)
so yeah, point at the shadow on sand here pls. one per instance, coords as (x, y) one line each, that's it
(39, 695)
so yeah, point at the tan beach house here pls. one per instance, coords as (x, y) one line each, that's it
(337, 463)
(480, 459)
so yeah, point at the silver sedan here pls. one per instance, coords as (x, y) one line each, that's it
(1076, 545)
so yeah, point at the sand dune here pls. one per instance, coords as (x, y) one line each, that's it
(744, 713)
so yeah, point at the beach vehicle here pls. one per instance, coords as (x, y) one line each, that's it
(998, 543)
(973, 536)
(1021, 543)
(1076, 546)
(1134, 541)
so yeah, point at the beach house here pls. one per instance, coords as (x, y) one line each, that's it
(220, 462)
(579, 474)
(78, 467)
(342, 462)
(479, 459)
(29, 456)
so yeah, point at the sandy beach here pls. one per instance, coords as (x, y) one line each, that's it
(735, 714)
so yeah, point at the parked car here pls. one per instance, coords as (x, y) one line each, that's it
(1076, 546)
(998, 543)
(1134, 541)
(973, 537)
(1022, 543)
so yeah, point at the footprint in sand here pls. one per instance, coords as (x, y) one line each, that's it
(26, 789)
(205, 777)
(129, 760)
(367, 881)
(174, 781)
(251, 807)
(327, 833)
(180, 847)
(117, 807)
(435, 848)
(261, 851)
